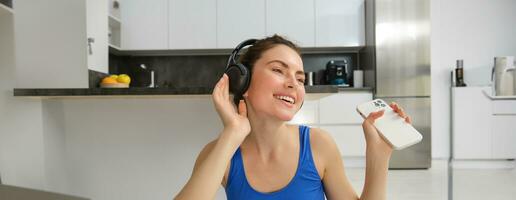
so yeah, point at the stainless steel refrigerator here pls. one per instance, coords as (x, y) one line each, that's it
(396, 62)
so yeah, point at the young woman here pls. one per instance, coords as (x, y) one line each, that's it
(259, 156)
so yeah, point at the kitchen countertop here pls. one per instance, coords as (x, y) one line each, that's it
(219, 51)
(150, 92)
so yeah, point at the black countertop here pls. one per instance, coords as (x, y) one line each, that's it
(99, 92)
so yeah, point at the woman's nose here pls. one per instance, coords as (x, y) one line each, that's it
(292, 82)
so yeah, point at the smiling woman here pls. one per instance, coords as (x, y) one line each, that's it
(259, 156)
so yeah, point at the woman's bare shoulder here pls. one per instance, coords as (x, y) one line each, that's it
(324, 149)
(320, 139)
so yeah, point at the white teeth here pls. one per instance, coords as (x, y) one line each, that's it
(286, 98)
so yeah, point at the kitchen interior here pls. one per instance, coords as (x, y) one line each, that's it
(66, 132)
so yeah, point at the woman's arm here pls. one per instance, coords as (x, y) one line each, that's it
(209, 169)
(331, 167)
(377, 166)
(378, 153)
(212, 162)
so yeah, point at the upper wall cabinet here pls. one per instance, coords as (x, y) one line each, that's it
(292, 18)
(114, 24)
(192, 24)
(97, 28)
(52, 38)
(114, 8)
(239, 20)
(339, 23)
(208, 24)
(145, 24)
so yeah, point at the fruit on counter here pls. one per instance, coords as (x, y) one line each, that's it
(108, 80)
(124, 78)
(121, 80)
(113, 76)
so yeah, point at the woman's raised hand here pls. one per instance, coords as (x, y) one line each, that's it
(373, 140)
(235, 121)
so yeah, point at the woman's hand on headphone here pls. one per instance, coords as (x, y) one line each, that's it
(235, 121)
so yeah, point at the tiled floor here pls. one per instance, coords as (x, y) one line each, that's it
(409, 184)
(473, 184)
(432, 184)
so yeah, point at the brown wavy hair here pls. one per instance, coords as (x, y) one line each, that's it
(255, 52)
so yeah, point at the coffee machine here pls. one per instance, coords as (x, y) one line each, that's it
(338, 73)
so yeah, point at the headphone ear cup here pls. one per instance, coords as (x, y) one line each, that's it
(239, 78)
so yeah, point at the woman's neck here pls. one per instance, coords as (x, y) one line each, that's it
(267, 135)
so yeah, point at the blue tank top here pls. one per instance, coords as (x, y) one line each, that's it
(306, 183)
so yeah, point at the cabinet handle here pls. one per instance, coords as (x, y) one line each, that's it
(90, 48)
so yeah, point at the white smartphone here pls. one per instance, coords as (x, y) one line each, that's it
(392, 128)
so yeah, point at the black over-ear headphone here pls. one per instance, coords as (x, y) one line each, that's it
(239, 75)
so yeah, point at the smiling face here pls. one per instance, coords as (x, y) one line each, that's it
(277, 83)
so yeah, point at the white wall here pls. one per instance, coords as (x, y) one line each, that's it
(21, 147)
(54, 138)
(475, 31)
(130, 148)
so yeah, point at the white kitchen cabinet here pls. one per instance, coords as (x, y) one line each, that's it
(239, 20)
(504, 107)
(308, 114)
(114, 24)
(114, 7)
(339, 23)
(471, 122)
(114, 32)
(60, 37)
(192, 24)
(292, 18)
(471, 118)
(349, 139)
(503, 130)
(97, 33)
(52, 42)
(205, 24)
(340, 108)
(483, 128)
(145, 24)
(336, 114)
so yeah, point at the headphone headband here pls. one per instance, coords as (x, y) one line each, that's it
(237, 49)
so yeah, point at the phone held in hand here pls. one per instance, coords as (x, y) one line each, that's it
(392, 127)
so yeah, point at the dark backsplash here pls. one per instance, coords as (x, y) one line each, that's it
(200, 71)
(94, 78)
(170, 71)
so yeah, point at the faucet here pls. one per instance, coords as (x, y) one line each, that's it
(153, 82)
